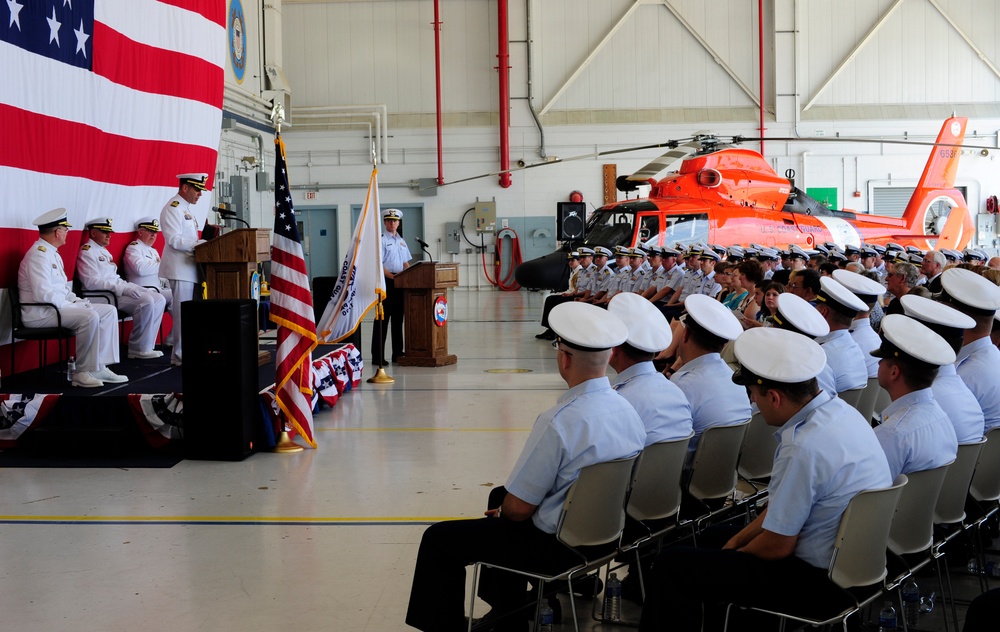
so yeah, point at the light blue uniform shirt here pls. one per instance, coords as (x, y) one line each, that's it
(601, 280)
(715, 400)
(395, 253)
(978, 365)
(867, 341)
(586, 279)
(589, 424)
(826, 454)
(844, 357)
(959, 404)
(661, 405)
(916, 434)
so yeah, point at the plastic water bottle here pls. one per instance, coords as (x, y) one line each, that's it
(70, 368)
(545, 617)
(992, 568)
(887, 618)
(911, 603)
(613, 598)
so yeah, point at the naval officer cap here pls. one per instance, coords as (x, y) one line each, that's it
(622, 251)
(913, 250)
(974, 254)
(768, 254)
(868, 251)
(55, 217)
(839, 298)
(636, 252)
(102, 224)
(708, 253)
(196, 180)
(916, 258)
(861, 286)
(794, 313)
(831, 245)
(585, 252)
(768, 354)
(148, 223)
(572, 255)
(946, 321)
(851, 249)
(951, 255)
(601, 251)
(795, 252)
(907, 340)
(712, 316)
(879, 248)
(586, 327)
(894, 246)
(670, 252)
(836, 255)
(970, 292)
(648, 329)
(392, 213)
(897, 256)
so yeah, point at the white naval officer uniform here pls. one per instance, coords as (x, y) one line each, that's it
(180, 232)
(41, 278)
(96, 270)
(142, 267)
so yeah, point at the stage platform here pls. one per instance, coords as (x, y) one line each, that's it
(42, 413)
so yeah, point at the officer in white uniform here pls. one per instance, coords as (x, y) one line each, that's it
(795, 314)
(142, 261)
(839, 307)
(978, 362)
(950, 392)
(869, 292)
(661, 404)
(704, 377)
(826, 454)
(589, 424)
(96, 269)
(180, 232)
(915, 433)
(41, 278)
(395, 258)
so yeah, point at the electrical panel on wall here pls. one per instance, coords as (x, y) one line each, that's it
(486, 217)
(240, 189)
(452, 238)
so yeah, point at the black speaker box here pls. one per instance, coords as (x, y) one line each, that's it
(222, 418)
(571, 220)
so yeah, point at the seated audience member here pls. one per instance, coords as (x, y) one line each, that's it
(96, 270)
(914, 432)
(978, 361)
(931, 267)
(794, 314)
(869, 291)
(805, 284)
(900, 282)
(573, 261)
(41, 278)
(950, 392)
(142, 261)
(839, 306)
(589, 424)
(826, 455)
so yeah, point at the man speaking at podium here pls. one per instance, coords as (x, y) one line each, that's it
(395, 258)
(180, 234)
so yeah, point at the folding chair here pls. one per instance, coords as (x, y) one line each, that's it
(852, 396)
(757, 459)
(654, 500)
(949, 511)
(19, 331)
(592, 515)
(858, 564)
(866, 405)
(985, 491)
(713, 470)
(882, 401)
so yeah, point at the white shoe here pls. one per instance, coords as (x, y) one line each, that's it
(107, 375)
(175, 362)
(144, 355)
(86, 380)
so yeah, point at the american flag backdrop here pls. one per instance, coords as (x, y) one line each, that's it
(291, 308)
(103, 103)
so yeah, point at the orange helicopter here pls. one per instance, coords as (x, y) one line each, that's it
(732, 196)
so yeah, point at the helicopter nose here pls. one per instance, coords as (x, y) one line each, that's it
(549, 272)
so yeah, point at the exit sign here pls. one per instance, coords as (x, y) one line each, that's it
(310, 195)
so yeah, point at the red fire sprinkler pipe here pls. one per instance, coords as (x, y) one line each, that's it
(503, 56)
(760, 55)
(437, 87)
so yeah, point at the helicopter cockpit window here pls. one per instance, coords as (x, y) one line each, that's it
(612, 228)
(649, 229)
(686, 229)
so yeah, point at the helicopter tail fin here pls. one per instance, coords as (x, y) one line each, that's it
(948, 224)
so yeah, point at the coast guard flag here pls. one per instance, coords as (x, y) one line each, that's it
(291, 308)
(361, 284)
(103, 103)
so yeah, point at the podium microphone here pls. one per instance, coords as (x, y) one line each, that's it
(424, 246)
(227, 213)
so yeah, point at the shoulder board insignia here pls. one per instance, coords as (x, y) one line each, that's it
(175, 204)
(85, 247)
(41, 248)
(134, 243)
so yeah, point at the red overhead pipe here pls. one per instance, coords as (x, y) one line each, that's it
(760, 56)
(437, 87)
(503, 56)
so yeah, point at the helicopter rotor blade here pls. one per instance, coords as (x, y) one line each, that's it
(846, 139)
(666, 161)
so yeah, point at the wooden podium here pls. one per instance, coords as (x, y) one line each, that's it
(425, 303)
(230, 261)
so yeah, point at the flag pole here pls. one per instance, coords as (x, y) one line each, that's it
(380, 377)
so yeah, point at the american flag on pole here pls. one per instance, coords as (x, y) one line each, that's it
(291, 308)
(361, 284)
(104, 102)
